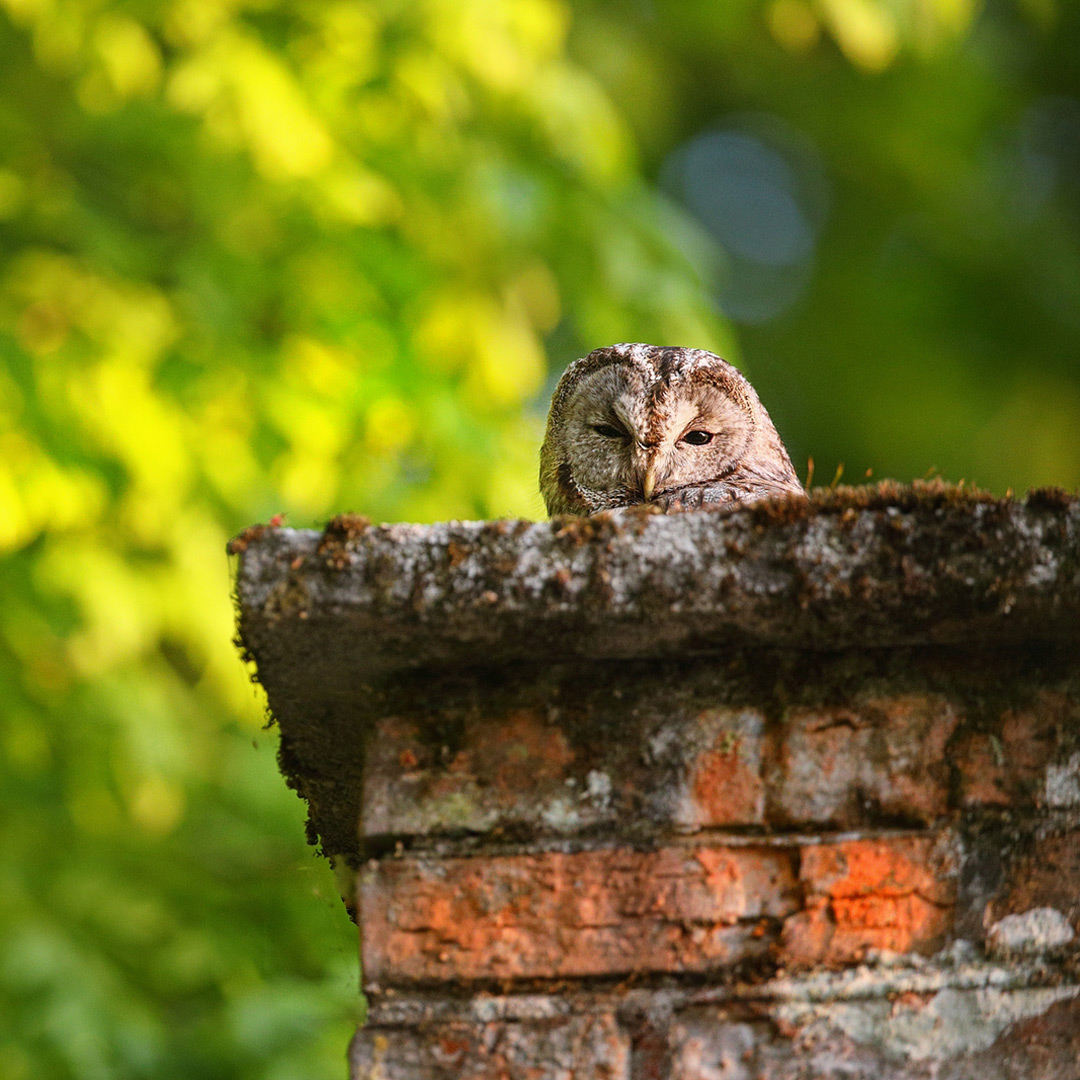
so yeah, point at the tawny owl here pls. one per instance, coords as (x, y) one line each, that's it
(677, 428)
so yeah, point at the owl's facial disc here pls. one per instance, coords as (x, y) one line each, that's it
(680, 428)
(635, 439)
(606, 438)
(702, 433)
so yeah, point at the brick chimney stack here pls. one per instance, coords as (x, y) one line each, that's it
(788, 793)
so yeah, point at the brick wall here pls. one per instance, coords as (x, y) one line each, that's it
(647, 828)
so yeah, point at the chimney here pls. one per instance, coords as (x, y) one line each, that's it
(784, 793)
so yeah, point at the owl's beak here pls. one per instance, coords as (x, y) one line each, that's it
(648, 485)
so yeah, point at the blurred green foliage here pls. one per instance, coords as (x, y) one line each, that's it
(937, 324)
(262, 256)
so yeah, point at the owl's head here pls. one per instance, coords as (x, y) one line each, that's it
(637, 423)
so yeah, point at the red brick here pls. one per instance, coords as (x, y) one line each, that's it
(590, 1046)
(859, 1040)
(1006, 765)
(1047, 876)
(724, 782)
(848, 766)
(505, 768)
(553, 915)
(706, 1046)
(895, 893)
(1044, 1047)
(523, 769)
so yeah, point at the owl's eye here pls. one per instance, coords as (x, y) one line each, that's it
(607, 431)
(697, 438)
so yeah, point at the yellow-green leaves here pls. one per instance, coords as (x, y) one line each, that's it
(256, 257)
(870, 33)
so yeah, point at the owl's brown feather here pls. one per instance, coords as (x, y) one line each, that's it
(679, 428)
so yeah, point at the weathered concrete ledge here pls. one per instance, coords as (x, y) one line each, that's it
(875, 568)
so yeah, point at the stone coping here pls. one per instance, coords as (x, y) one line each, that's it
(875, 567)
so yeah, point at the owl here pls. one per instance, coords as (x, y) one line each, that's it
(672, 427)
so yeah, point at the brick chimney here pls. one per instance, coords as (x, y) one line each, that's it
(787, 793)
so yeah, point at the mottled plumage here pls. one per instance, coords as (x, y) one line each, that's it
(677, 428)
